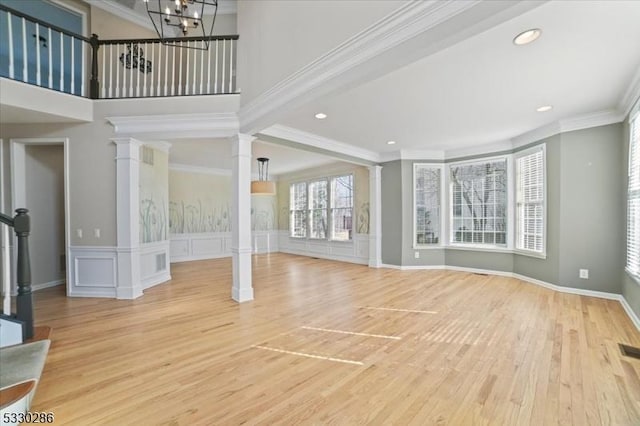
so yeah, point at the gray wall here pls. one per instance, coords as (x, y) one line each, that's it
(585, 217)
(45, 201)
(592, 208)
(391, 210)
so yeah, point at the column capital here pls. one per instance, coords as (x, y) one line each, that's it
(126, 141)
(375, 167)
(241, 145)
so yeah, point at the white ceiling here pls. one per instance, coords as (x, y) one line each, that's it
(485, 89)
(216, 154)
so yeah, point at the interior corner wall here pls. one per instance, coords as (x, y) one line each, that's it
(392, 212)
(592, 208)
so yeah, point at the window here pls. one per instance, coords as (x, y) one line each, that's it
(322, 209)
(342, 208)
(426, 180)
(479, 202)
(318, 202)
(633, 198)
(530, 203)
(298, 209)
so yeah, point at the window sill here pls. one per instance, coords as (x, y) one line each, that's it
(480, 248)
(530, 254)
(494, 249)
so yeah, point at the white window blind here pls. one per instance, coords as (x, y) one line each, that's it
(530, 203)
(427, 204)
(633, 199)
(479, 203)
(342, 208)
(298, 210)
(318, 203)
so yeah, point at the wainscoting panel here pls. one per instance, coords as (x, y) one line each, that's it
(355, 251)
(93, 272)
(212, 245)
(154, 263)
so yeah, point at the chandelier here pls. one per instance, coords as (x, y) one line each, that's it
(186, 16)
(263, 186)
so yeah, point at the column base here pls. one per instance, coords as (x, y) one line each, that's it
(242, 295)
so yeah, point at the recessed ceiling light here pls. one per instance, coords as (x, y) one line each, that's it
(544, 108)
(391, 142)
(527, 37)
(321, 116)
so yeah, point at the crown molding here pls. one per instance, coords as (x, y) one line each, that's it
(122, 12)
(579, 122)
(403, 24)
(594, 119)
(199, 170)
(495, 147)
(316, 141)
(187, 168)
(631, 95)
(172, 126)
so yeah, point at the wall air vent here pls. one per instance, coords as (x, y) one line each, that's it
(161, 262)
(629, 351)
(147, 155)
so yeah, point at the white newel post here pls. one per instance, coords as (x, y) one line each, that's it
(375, 220)
(128, 217)
(242, 290)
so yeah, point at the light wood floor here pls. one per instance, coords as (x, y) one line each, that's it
(434, 347)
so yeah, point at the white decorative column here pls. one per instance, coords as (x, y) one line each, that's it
(242, 290)
(375, 218)
(128, 217)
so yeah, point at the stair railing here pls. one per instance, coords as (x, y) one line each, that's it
(21, 224)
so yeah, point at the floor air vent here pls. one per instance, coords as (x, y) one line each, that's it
(629, 351)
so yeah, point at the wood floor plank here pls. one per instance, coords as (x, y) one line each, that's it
(468, 349)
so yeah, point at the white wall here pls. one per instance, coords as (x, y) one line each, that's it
(279, 37)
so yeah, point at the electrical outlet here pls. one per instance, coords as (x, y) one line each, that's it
(584, 274)
(79, 233)
(417, 254)
(96, 232)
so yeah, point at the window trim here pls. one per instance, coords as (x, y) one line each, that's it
(330, 208)
(509, 237)
(634, 118)
(310, 210)
(328, 179)
(441, 243)
(519, 154)
(306, 189)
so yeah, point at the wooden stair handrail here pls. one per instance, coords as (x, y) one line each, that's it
(15, 393)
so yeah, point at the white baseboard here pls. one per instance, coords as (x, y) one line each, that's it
(634, 318)
(42, 286)
(570, 290)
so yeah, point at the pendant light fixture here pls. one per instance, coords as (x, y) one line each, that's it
(187, 17)
(263, 186)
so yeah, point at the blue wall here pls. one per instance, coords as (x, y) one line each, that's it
(55, 15)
